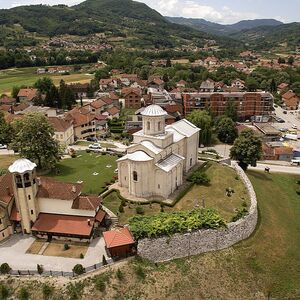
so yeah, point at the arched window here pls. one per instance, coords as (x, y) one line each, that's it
(148, 125)
(26, 177)
(135, 176)
(19, 181)
(159, 126)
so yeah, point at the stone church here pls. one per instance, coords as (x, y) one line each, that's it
(159, 156)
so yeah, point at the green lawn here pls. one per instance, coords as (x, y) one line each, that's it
(82, 168)
(214, 196)
(27, 77)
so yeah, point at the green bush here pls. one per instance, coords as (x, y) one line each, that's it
(40, 269)
(78, 269)
(167, 224)
(47, 291)
(4, 292)
(75, 290)
(240, 213)
(139, 210)
(101, 280)
(23, 294)
(121, 208)
(139, 271)
(120, 275)
(5, 268)
(66, 247)
(81, 256)
(199, 177)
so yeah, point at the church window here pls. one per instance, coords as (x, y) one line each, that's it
(26, 177)
(148, 125)
(135, 176)
(31, 211)
(158, 186)
(29, 197)
(0, 221)
(159, 126)
(191, 162)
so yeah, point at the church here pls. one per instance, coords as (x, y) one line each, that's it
(159, 156)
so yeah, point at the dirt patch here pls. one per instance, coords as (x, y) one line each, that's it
(35, 247)
(56, 248)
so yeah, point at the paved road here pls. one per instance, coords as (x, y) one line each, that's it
(291, 118)
(277, 169)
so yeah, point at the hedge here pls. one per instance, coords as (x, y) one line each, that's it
(167, 224)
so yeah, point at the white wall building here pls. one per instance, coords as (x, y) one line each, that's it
(160, 155)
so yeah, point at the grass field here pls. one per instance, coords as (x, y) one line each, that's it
(213, 195)
(83, 167)
(27, 76)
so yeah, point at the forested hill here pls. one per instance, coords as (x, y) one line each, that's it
(266, 37)
(220, 29)
(135, 21)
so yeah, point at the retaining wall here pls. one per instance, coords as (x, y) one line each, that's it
(182, 245)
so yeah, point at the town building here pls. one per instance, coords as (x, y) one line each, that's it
(63, 131)
(290, 100)
(28, 95)
(133, 97)
(159, 156)
(247, 104)
(45, 207)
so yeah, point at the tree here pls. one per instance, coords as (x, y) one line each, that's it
(231, 110)
(202, 120)
(273, 86)
(15, 91)
(252, 84)
(281, 60)
(291, 60)
(226, 130)
(6, 131)
(34, 139)
(52, 98)
(168, 63)
(78, 269)
(247, 149)
(66, 95)
(43, 84)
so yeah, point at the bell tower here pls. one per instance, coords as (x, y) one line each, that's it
(25, 191)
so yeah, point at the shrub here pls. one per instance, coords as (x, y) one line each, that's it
(139, 271)
(199, 177)
(23, 294)
(139, 210)
(104, 261)
(100, 281)
(5, 268)
(121, 208)
(240, 213)
(120, 275)
(4, 292)
(66, 247)
(47, 291)
(167, 224)
(162, 207)
(78, 269)
(123, 202)
(40, 269)
(75, 290)
(81, 256)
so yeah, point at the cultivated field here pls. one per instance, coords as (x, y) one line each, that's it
(27, 77)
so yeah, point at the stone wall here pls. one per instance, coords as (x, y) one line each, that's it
(182, 245)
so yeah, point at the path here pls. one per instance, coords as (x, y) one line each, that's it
(276, 168)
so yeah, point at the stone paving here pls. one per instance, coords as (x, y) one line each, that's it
(13, 252)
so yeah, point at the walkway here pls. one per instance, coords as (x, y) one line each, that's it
(13, 252)
(276, 168)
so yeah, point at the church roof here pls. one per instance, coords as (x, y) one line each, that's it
(149, 145)
(153, 111)
(170, 162)
(184, 127)
(22, 165)
(137, 156)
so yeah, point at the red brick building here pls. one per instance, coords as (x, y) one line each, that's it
(132, 97)
(248, 104)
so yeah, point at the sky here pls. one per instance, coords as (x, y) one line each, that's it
(220, 11)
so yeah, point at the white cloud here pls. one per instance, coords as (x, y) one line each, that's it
(193, 9)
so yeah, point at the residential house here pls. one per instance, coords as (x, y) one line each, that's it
(156, 83)
(27, 95)
(238, 83)
(98, 106)
(112, 113)
(45, 110)
(290, 100)
(207, 86)
(63, 130)
(109, 84)
(80, 90)
(282, 88)
(276, 151)
(7, 100)
(133, 97)
(181, 84)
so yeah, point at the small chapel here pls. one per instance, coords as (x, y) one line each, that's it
(159, 156)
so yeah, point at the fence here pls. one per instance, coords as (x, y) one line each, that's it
(46, 273)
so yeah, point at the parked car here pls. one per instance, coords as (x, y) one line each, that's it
(91, 139)
(279, 120)
(95, 146)
(294, 126)
(2, 147)
(283, 129)
(285, 112)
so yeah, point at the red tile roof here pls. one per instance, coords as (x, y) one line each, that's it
(15, 215)
(6, 188)
(63, 224)
(53, 189)
(113, 110)
(59, 124)
(97, 103)
(28, 93)
(90, 202)
(80, 116)
(100, 215)
(118, 237)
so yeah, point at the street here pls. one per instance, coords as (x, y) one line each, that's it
(276, 168)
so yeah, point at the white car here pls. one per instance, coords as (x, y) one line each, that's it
(2, 147)
(294, 126)
(95, 146)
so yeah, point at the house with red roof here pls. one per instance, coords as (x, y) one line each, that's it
(119, 242)
(27, 95)
(290, 100)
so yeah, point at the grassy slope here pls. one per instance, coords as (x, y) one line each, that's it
(27, 77)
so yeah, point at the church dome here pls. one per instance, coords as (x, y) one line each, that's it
(22, 165)
(153, 111)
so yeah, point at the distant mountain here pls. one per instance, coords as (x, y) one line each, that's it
(219, 29)
(266, 37)
(138, 25)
